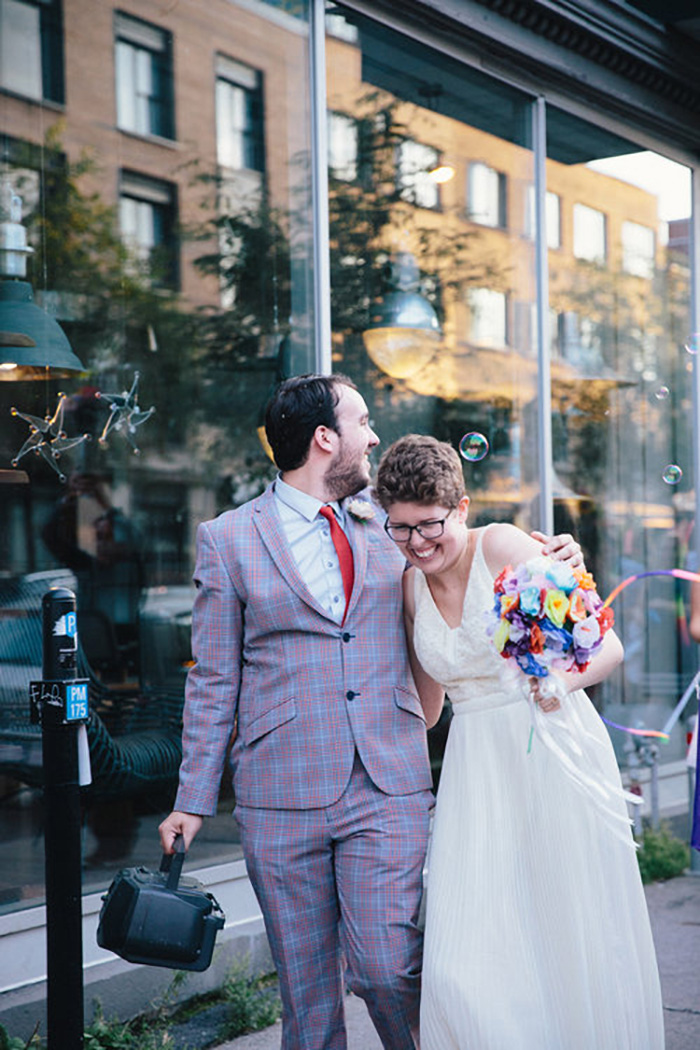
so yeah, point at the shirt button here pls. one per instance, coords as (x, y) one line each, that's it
(336, 599)
(350, 695)
(347, 637)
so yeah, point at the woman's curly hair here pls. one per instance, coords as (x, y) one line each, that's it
(419, 469)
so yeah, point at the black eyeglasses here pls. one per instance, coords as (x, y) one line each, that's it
(429, 530)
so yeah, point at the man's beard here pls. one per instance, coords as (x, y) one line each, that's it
(344, 479)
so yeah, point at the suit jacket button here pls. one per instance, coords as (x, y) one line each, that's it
(350, 695)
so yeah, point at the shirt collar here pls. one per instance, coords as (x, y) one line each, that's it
(304, 504)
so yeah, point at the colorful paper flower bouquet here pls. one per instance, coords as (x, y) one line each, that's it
(547, 616)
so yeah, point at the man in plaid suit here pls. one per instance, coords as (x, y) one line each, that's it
(330, 761)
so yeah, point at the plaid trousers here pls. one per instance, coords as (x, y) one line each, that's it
(341, 886)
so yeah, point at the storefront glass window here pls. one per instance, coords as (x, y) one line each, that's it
(169, 216)
(436, 215)
(622, 402)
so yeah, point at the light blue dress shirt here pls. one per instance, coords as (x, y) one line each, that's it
(309, 538)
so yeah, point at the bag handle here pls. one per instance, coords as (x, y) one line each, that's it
(171, 863)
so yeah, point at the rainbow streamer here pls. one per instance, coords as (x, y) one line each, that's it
(679, 574)
(638, 732)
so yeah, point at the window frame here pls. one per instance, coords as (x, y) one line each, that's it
(162, 198)
(410, 185)
(144, 38)
(50, 53)
(481, 218)
(582, 219)
(231, 73)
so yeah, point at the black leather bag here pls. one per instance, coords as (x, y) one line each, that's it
(159, 918)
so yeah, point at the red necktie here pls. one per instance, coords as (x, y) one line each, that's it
(344, 552)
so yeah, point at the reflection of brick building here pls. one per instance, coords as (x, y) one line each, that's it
(161, 97)
(157, 96)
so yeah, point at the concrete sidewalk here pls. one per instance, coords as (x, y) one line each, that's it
(674, 908)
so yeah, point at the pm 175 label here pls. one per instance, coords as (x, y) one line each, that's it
(76, 701)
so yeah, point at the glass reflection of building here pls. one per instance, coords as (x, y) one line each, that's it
(185, 227)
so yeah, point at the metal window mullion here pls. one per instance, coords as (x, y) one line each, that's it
(694, 255)
(319, 188)
(544, 384)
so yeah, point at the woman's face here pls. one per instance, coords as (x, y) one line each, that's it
(432, 537)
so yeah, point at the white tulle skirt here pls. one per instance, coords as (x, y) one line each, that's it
(537, 932)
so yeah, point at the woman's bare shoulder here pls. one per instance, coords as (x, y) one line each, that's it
(505, 544)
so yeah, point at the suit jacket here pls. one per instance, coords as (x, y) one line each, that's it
(303, 692)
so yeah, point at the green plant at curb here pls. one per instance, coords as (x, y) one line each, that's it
(661, 854)
(140, 1034)
(15, 1043)
(251, 1001)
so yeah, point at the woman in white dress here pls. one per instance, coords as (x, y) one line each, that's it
(537, 933)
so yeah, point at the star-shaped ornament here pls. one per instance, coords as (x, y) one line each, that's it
(125, 414)
(47, 437)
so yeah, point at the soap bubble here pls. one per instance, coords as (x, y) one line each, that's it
(473, 447)
(692, 343)
(672, 474)
(662, 393)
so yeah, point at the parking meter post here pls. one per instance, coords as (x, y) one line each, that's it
(54, 705)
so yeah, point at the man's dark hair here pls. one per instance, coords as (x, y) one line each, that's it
(297, 407)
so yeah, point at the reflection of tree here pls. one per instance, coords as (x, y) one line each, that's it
(373, 216)
(117, 321)
(620, 349)
(252, 265)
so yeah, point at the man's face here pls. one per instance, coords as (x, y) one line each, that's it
(349, 470)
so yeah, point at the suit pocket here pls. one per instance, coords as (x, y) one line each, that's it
(407, 701)
(272, 719)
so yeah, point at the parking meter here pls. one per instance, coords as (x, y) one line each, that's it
(59, 704)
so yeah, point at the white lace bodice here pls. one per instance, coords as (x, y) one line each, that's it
(462, 658)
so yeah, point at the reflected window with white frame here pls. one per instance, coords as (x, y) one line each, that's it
(590, 234)
(638, 249)
(581, 342)
(552, 217)
(486, 196)
(144, 78)
(240, 138)
(342, 146)
(31, 49)
(489, 313)
(147, 225)
(414, 163)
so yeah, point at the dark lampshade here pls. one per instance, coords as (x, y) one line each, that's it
(32, 344)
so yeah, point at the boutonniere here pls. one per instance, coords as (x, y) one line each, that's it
(360, 510)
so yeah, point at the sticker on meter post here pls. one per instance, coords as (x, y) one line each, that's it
(66, 626)
(76, 701)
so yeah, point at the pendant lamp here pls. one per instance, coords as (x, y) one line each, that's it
(404, 332)
(32, 344)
